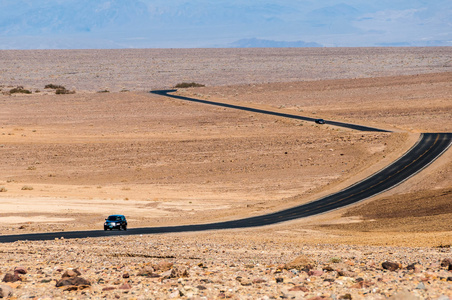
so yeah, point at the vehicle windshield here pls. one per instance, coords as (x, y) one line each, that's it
(114, 218)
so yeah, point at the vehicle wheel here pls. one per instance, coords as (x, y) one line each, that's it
(125, 227)
(105, 229)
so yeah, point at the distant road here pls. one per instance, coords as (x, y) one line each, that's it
(267, 112)
(428, 148)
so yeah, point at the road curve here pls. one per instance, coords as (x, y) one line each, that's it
(428, 148)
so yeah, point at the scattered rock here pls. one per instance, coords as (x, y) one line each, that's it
(73, 281)
(259, 280)
(445, 263)
(148, 273)
(300, 263)
(162, 266)
(315, 273)
(420, 286)
(391, 266)
(11, 278)
(125, 286)
(125, 275)
(71, 273)
(20, 270)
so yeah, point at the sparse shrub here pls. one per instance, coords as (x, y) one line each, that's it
(19, 90)
(59, 89)
(3, 189)
(335, 260)
(31, 168)
(63, 91)
(185, 85)
(27, 188)
(54, 87)
(104, 91)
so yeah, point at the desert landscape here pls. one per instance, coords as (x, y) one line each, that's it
(109, 146)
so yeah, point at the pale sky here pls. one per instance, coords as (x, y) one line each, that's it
(67, 24)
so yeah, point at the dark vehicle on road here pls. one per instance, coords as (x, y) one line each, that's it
(115, 222)
(320, 121)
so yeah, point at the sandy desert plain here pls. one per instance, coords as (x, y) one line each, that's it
(68, 161)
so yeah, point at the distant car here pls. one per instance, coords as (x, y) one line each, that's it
(115, 222)
(320, 121)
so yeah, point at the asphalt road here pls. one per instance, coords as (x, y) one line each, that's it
(428, 148)
(267, 112)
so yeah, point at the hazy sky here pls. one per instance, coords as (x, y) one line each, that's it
(37, 24)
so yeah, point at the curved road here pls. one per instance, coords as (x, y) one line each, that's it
(428, 148)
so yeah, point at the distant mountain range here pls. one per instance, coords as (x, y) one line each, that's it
(258, 43)
(26, 24)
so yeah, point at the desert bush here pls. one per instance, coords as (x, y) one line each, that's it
(27, 188)
(54, 87)
(59, 89)
(104, 91)
(19, 90)
(63, 91)
(335, 260)
(3, 189)
(185, 85)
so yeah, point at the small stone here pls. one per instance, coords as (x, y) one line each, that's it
(125, 286)
(20, 270)
(108, 288)
(245, 282)
(445, 263)
(162, 266)
(279, 280)
(315, 273)
(71, 273)
(391, 266)
(259, 280)
(327, 269)
(346, 296)
(148, 273)
(76, 281)
(420, 286)
(125, 275)
(11, 278)
(201, 287)
(302, 262)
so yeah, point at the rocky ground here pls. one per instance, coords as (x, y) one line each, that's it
(206, 266)
(69, 160)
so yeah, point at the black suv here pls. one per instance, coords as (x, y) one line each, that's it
(115, 222)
